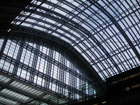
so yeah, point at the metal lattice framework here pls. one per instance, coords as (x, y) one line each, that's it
(103, 36)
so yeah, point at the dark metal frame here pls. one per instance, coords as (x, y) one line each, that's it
(97, 34)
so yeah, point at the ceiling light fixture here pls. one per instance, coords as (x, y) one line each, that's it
(9, 30)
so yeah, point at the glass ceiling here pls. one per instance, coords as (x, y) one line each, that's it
(106, 33)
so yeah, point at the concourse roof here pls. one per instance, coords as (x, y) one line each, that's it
(106, 33)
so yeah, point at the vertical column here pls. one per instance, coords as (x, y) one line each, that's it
(19, 56)
(34, 64)
(61, 71)
(46, 59)
(49, 66)
(80, 87)
(65, 69)
(84, 85)
(75, 78)
(70, 79)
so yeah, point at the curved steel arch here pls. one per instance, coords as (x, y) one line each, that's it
(66, 20)
(97, 33)
(118, 26)
(23, 31)
(96, 28)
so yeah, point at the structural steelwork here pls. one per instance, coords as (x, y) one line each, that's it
(59, 52)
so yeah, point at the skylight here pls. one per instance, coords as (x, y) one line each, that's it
(100, 39)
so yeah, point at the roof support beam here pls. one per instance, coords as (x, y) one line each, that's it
(71, 23)
(6, 85)
(43, 75)
(33, 32)
(117, 26)
(24, 92)
(26, 17)
(30, 100)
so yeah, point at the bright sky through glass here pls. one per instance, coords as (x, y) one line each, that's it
(91, 32)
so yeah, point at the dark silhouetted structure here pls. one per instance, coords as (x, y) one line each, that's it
(61, 52)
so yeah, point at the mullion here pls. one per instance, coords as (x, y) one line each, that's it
(119, 38)
(30, 57)
(84, 45)
(132, 22)
(9, 63)
(105, 69)
(25, 52)
(111, 67)
(125, 20)
(42, 58)
(98, 17)
(134, 60)
(29, 64)
(44, 62)
(92, 18)
(110, 48)
(57, 28)
(112, 40)
(71, 13)
(8, 47)
(129, 33)
(95, 57)
(101, 62)
(86, 54)
(133, 32)
(89, 55)
(113, 8)
(130, 54)
(100, 71)
(81, 19)
(14, 48)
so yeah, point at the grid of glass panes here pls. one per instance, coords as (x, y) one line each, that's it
(91, 32)
(43, 64)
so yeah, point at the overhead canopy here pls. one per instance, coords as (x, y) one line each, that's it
(105, 33)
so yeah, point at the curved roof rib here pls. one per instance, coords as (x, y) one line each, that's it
(105, 33)
(119, 28)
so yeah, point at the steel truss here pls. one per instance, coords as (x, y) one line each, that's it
(62, 89)
(99, 38)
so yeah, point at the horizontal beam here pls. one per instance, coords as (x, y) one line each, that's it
(24, 92)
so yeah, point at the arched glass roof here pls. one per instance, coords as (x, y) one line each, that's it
(105, 32)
